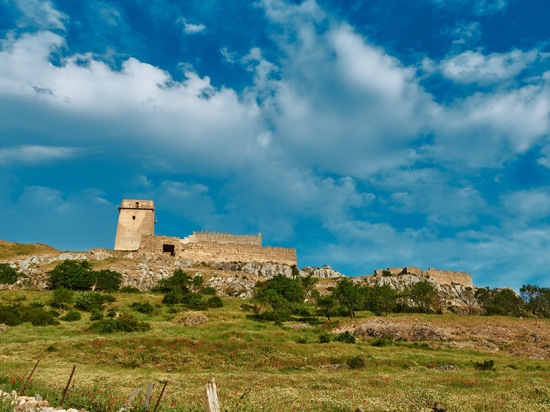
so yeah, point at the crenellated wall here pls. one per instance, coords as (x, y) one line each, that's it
(223, 252)
(442, 277)
(217, 237)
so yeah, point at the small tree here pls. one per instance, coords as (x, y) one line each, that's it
(8, 275)
(71, 274)
(198, 281)
(424, 294)
(327, 303)
(62, 298)
(179, 278)
(107, 280)
(384, 298)
(348, 294)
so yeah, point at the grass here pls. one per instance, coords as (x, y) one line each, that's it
(11, 250)
(259, 366)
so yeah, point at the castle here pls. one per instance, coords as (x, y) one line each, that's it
(136, 231)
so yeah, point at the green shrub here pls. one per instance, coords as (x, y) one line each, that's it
(208, 291)
(8, 275)
(345, 337)
(107, 280)
(73, 275)
(382, 341)
(215, 302)
(486, 365)
(201, 307)
(89, 301)
(111, 313)
(192, 300)
(324, 338)
(54, 313)
(125, 323)
(62, 298)
(9, 315)
(37, 304)
(302, 340)
(129, 289)
(51, 348)
(37, 316)
(356, 362)
(179, 278)
(72, 316)
(145, 308)
(96, 315)
(386, 273)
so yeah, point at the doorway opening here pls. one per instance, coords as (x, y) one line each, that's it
(169, 250)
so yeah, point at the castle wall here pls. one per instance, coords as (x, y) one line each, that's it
(220, 252)
(442, 277)
(157, 245)
(136, 218)
(223, 238)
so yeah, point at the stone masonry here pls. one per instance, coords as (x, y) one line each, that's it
(136, 218)
(442, 277)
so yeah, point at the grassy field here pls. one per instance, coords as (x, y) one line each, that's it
(259, 366)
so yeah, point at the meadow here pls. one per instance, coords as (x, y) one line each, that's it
(261, 366)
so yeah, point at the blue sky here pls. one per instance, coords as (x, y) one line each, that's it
(366, 134)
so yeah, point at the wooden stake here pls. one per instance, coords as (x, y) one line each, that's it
(29, 378)
(148, 397)
(161, 393)
(211, 397)
(67, 388)
(130, 399)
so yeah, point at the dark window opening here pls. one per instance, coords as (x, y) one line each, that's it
(133, 218)
(137, 204)
(169, 250)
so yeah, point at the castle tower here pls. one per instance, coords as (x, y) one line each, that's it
(136, 218)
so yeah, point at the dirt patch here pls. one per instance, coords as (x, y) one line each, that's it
(411, 331)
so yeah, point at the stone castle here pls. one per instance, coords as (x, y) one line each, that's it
(136, 231)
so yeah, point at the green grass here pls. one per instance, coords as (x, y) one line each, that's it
(260, 366)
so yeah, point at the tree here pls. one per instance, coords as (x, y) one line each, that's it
(383, 298)
(348, 294)
(107, 280)
(537, 300)
(73, 275)
(8, 275)
(424, 294)
(198, 281)
(62, 298)
(179, 278)
(275, 300)
(327, 303)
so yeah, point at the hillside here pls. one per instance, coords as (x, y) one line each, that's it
(10, 250)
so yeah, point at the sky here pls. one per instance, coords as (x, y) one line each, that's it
(366, 134)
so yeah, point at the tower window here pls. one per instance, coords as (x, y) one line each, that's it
(133, 218)
(137, 204)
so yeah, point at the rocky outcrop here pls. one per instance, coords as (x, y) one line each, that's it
(323, 272)
(413, 332)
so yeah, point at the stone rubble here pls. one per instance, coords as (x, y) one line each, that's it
(31, 403)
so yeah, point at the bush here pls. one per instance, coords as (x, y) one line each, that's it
(72, 316)
(9, 315)
(345, 337)
(8, 275)
(215, 302)
(111, 313)
(72, 275)
(179, 278)
(145, 308)
(382, 341)
(486, 365)
(37, 317)
(89, 301)
(37, 304)
(54, 313)
(125, 323)
(96, 315)
(302, 340)
(62, 298)
(129, 289)
(107, 280)
(357, 362)
(324, 338)
(209, 291)
(192, 300)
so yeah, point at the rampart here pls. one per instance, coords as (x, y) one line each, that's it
(223, 238)
(220, 252)
(442, 277)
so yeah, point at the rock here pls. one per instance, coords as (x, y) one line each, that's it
(193, 320)
(324, 272)
(300, 326)
(447, 368)
(72, 410)
(38, 397)
(3, 327)
(359, 410)
(378, 328)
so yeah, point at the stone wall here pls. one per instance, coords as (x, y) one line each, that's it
(223, 238)
(442, 277)
(136, 218)
(220, 252)
(158, 245)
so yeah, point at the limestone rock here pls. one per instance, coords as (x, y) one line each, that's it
(323, 272)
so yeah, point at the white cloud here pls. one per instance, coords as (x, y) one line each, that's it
(189, 28)
(35, 154)
(39, 13)
(475, 67)
(526, 205)
(477, 7)
(466, 33)
(228, 56)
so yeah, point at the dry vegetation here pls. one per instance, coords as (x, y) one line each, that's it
(260, 366)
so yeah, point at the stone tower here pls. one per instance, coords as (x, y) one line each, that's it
(136, 218)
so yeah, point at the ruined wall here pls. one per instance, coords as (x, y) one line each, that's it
(136, 218)
(223, 238)
(442, 277)
(156, 245)
(220, 252)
